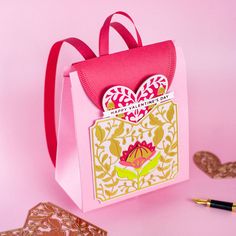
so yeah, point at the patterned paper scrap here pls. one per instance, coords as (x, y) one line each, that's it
(47, 219)
(14, 232)
(212, 166)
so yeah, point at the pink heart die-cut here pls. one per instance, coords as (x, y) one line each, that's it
(120, 96)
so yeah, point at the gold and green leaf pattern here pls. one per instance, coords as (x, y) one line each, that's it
(150, 165)
(119, 130)
(100, 133)
(115, 148)
(170, 112)
(125, 173)
(110, 137)
(158, 135)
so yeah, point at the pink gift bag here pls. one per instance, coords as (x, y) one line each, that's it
(123, 122)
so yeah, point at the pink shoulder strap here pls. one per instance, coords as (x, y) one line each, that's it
(49, 89)
(50, 77)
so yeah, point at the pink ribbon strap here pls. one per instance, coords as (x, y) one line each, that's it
(49, 89)
(126, 35)
(87, 53)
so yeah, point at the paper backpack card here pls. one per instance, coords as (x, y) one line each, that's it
(123, 119)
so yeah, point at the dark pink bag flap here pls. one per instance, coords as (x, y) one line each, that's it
(128, 68)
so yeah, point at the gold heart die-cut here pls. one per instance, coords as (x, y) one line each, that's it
(128, 157)
(212, 166)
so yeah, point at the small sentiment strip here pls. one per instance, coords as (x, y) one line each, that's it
(139, 105)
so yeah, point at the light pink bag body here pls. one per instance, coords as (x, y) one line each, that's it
(99, 161)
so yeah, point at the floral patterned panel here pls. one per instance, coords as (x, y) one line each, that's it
(128, 157)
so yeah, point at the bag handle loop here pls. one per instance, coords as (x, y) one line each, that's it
(49, 89)
(126, 35)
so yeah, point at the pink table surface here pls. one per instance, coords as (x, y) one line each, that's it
(205, 30)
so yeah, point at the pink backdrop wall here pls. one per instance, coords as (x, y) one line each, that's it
(206, 32)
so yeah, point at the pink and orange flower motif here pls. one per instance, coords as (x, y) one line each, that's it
(137, 154)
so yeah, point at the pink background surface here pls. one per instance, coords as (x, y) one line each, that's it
(206, 32)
